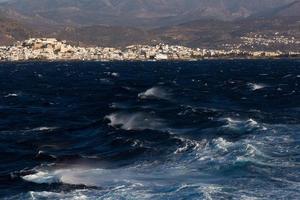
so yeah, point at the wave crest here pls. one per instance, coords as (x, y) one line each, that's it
(256, 86)
(135, 121)
(242, 125)
(12, 95)
(154, 93)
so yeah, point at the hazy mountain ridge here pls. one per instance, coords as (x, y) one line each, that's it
(139, 12)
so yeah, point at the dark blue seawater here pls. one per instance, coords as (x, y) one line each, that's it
(170, 130)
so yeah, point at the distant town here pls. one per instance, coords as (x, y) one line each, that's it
(51, 49)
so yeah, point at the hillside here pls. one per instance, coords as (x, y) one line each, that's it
(215, 33)
(142, 13)
(291, 10)
(11, 30)
(104, 35)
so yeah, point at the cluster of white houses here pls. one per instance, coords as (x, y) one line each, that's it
(52, 49)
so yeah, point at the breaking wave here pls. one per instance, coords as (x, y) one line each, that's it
(44, 128)
(256, 86)
(155, 93)
(135, 121)
(242, 125)
(12, 95)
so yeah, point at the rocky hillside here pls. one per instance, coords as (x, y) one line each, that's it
(11, 30)
(138, 12)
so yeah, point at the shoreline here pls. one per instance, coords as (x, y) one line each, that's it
(52, 50)
(149, 61)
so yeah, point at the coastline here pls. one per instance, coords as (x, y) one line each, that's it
(152, 61)
(52, 50)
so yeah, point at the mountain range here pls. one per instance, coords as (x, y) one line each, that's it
(141, 13)
(122, 22)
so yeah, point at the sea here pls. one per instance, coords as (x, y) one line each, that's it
(212, 129)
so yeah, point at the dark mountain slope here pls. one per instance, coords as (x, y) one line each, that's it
(137, 12)
(11, 30)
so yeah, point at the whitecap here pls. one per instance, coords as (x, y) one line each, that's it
(91, 177)
(154, 93)
(43, 177)
(210, 190)
(141, 176)
(255, 86)
(135, 121)
(11, 95)
(222, 144)
(43, 128)
(73, 195)
(241, 125)
(114, 74)
(189, 144)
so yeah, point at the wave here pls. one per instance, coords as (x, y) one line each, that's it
(155, 93)
(113, 74)
(12, 95)
(44, 128)
(250, 153)
(242, 125)
(256, 86)
(189, 144)
(90, 177)
(77, 194)
(43, 177)
(222, 144)
(135, 121)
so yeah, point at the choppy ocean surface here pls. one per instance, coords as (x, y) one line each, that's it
(170, 130)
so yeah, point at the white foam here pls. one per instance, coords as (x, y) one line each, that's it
(74, 195)
(209, 191)
(242, 124)
(252, 122)
(255, 86)
(155, 93)
(94, 177)
(43, 128)
(114, 74)
(11, 95)
(222, 144)
(135, 121)
(42, 177)
(189, 144)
